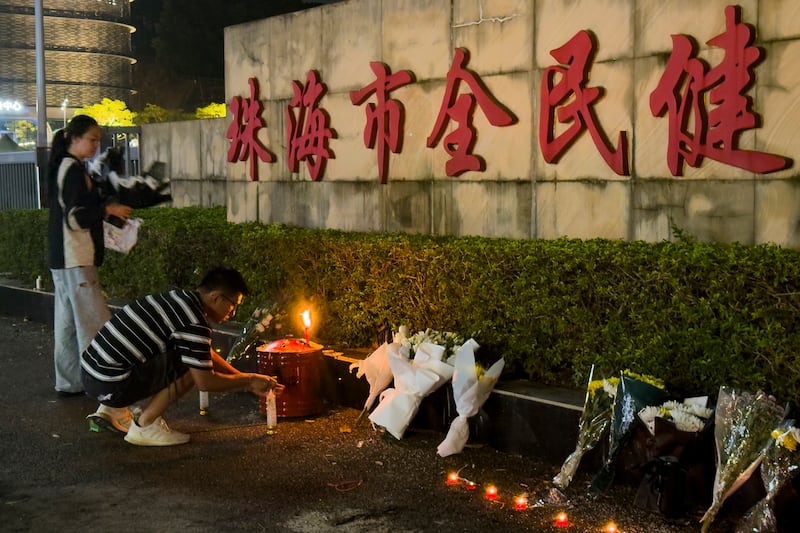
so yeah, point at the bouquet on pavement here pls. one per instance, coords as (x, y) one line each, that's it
(743, 427)
(378, 373)
(413, 380)
(471, 388)
(634, 393)
(595, 419)
(781, 462)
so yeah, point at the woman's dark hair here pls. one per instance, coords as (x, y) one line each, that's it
(77, 127)
(225, 279)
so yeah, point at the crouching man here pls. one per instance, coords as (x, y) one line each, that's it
(157, 349)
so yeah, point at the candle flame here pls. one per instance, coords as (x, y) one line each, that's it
(306, 318)
(612, 528)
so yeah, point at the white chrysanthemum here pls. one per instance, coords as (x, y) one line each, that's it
(648, 416)
(685, 421)
(610, 388)
(698, 410)
(672, 404)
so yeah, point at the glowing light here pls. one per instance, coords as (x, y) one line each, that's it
(562, 520)
(491, 492)
(452, 478)
(611, 527)
(470, 485)
(306, 322)
(520, 503)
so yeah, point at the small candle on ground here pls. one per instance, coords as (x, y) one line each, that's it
(520, 503)
(491, 492)
(562, 520)
(452, 478)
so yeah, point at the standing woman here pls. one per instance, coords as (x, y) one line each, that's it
(75, 242)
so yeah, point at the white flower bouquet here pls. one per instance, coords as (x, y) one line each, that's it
(471, 387)
(691, 415)
(413, 380)
(375, 368)
(743, 425)
(781, 462)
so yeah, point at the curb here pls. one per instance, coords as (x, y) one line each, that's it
(519, 417)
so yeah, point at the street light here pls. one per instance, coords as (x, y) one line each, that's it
(64, 110)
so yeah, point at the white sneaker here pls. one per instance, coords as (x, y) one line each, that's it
(156, 434)
(116, 419)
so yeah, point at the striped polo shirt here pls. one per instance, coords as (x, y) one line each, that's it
(167, 323)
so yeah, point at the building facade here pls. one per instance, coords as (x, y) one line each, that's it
(87, 55)
(616, 119)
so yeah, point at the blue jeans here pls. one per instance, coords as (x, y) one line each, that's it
(80, 310)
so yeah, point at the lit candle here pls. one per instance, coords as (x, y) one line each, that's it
(491, 492)
(520, 503)
(470, 485)
(562, 520)
(306, 322)
(452, 478)
(611, 527)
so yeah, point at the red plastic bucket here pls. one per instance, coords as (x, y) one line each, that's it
(297, 366)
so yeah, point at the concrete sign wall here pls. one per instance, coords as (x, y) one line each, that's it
(508, 118)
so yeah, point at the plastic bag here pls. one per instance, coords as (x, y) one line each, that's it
(121, 239)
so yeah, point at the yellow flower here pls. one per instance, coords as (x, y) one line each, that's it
(785, 438)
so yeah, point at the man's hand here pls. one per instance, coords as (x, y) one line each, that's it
(261, 384)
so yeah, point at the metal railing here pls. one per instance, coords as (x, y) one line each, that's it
(19, 181)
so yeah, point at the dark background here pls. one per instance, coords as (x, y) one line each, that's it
(179, 47)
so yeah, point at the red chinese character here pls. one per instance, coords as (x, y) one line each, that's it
(461, 108)
(243, 130)
(384, 119)
(308, 131)
(571, 102)
(681, 93)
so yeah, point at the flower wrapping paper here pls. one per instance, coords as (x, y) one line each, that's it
(469, 392)
(743, 426)
(263, 324)
(632, 396)
(413, 380)
(781, 462)
(375, 368)
(595, 420)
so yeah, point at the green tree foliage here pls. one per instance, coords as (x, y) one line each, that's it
(152, 114)
(212, 110)
(109, 113)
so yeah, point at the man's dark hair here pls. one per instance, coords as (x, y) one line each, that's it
(225, 279)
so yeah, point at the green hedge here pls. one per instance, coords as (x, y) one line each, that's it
(697, 315)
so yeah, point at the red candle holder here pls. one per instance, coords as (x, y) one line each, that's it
(470, 485)
(491, 492)
(562, 520)
(452, 478)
